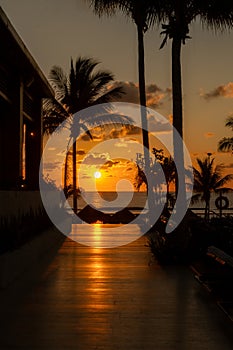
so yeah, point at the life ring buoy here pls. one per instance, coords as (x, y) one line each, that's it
(222, 202)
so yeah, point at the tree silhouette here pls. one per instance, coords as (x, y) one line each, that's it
(207, 179)
(216, 15)
(83, 87)
(144, 15)
(226, 143)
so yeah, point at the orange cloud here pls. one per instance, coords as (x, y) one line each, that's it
(170, 118)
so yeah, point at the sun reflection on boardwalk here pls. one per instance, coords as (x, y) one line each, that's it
(105, 235)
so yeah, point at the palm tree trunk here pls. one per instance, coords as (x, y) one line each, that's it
(75, 207)
(178, 115)
(177, 85)
(142, 84)
(142, 96)
(207, 210)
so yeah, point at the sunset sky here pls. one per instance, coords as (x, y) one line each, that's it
(55, 31)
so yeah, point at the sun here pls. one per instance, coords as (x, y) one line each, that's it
(97, 174)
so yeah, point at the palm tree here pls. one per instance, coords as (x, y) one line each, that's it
(82, 88)
(226, 143)
(140, 178)
(169, 170)
(180, 14)
(207, 179)
(143, 15)
(168, 167)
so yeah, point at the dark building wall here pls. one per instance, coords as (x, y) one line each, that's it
(22, 87)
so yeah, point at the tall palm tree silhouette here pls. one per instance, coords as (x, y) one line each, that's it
(143, 15)
(180, 14)
(83, 87)
(208, 178)
(177, 15)
(226, 143)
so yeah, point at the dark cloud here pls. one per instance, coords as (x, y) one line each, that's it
(95, 137)
(115, 132)
(219, 91)
(109, 132)
(154, 94)
(52, 165)
(81, 152)
(85, 137)
(134, 131)
(86, 176)
(95, 159)
(152, 88)
(155, 125)
(110, 164)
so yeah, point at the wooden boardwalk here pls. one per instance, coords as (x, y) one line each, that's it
(108, 299)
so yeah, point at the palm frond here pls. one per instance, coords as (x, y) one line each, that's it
(109, 118)
(229, 122)
(225, 144)
(224, 190)
(103, 7)
(195, 198)
(146, 13)
(223, 181)
(54, 115)
(96, 85)
(110, 96)
(85, 88)
(86, 130)
(208, 178)
(216, 15)
(58, 81)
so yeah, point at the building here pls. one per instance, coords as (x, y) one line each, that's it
(22, 87)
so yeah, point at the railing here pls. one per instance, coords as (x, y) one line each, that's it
(213, 213)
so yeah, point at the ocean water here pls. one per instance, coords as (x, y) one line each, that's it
(113, 201)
